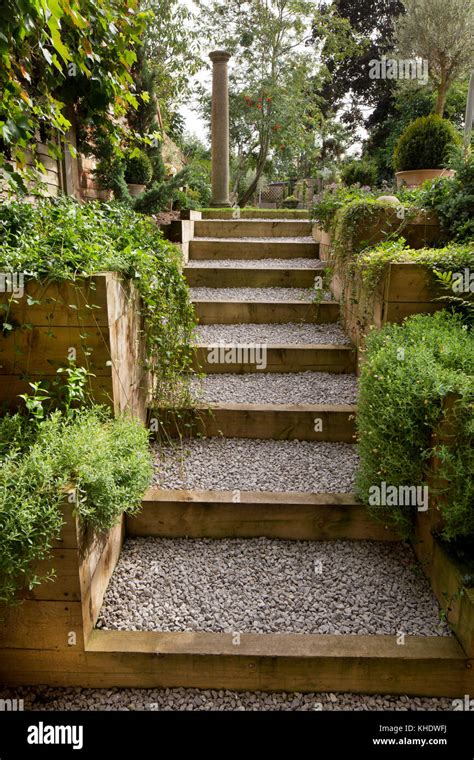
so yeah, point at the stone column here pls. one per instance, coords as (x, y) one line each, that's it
(220, 129)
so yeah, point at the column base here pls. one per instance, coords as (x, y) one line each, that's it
(224, 204)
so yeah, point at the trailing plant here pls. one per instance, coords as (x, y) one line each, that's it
(335, 197)
(425, 144)
(61, 239)
(407, 373)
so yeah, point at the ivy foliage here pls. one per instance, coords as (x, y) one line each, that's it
(61, 239)
(57, 54)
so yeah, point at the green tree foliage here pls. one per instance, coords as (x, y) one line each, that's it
(58, 55)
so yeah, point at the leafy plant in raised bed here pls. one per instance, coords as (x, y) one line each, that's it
(408, 371)
(103, 462)
(64, 240)
(453, 198)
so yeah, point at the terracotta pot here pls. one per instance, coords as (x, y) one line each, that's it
(416, 177)
(135, 190)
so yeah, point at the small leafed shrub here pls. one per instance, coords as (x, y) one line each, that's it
(105, 461)
(138, 169)
(408, 372)
(359, 173)
(453, 198)
(425, 144)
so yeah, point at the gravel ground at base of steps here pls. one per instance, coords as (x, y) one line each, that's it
(46, 698)
(262, 585)
(272, 334)
(257, 264)
(229, 464)
(257, 294)
(278, 240)
(299, 388)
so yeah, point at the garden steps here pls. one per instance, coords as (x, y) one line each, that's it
(252, 248)
(426, 665)
(297, 357)
(262, 277)
(231, 312)
(257, 228)
(169, 513)
(302, 422)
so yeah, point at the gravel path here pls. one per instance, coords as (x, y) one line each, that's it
(256, 294)
(228, 464)
(299, 388)
(262, 585)
(45, 698)
(285, 334)
(276, 240)
(258, 264)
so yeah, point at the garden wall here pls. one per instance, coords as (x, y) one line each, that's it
(95, 322)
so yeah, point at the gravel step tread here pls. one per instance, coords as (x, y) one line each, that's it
(257, 264)
(270, 586)
(268, 388)
(304, 240)
(273, 334)
(228, 464)
(48, 698)
(278, 295)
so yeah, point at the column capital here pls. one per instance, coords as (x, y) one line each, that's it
(220, 56)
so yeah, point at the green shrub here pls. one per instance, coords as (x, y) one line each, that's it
(453, 198)
(408, 371)
(106, 461)
(62, 239)
(138, 168)
(332, 199)
(359, 173)
(425, 144)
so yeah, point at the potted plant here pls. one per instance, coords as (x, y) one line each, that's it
(422, 150)
(138, 172)
(291, 202)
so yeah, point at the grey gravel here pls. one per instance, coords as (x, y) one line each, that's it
(256, 294)
(285, 334)
(228, 464)
(262, 585)
(277, 240)
(255, 388)
(46, 698)
(258, 263)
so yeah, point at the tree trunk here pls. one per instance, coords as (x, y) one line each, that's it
(442, 93)
(262, 160)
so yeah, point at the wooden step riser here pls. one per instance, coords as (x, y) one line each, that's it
(316, 423)
(222, 514)
(235, 229)
(424, 666)
(224, 277)
(261, 213)
(338, 360)
(202, 249)
(261, 313)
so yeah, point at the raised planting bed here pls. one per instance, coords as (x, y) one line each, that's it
(95, 322)
(255, 213)
(403, 289)
(419, 231)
